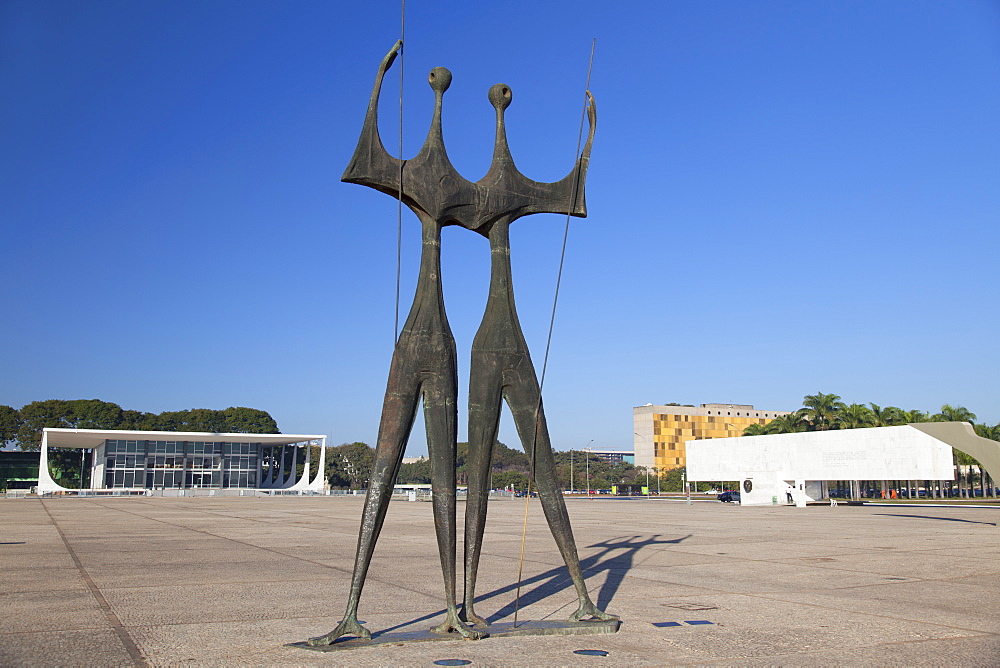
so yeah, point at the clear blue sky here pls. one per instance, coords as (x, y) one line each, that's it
(785, 198)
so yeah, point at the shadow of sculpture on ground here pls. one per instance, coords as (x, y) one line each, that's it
(928, 517)
(616, 557)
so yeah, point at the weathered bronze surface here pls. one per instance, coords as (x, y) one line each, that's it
(424, 361)
(501, 365)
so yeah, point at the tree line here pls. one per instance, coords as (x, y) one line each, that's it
(822, 412)
(23, 427)
(348, 466)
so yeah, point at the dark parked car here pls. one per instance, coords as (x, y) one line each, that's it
(729, 497)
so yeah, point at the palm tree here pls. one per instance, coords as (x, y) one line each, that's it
(787, 424)
(755, 429)
(886, 417)
(951, 413)
(914, 416)
(854, 416)
(821, 410)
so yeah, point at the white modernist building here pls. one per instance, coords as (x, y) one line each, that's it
(771, 467)
(181, 460)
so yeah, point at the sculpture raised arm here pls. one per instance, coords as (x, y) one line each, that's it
(507, 193)
(371, 165)
(432, 186)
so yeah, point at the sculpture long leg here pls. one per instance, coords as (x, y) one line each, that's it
(398, 412)
(486, 378)
(441, 419)
(523, 397)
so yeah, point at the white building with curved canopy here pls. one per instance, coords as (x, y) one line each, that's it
(769, 468)
(183, 460)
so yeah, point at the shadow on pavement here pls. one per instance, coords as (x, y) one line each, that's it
(929, 517)
(616, 556)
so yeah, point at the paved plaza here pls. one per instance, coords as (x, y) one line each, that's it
(230, 581)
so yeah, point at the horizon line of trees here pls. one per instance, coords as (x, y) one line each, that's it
(23, 427)
(348, 466)
(822, 412)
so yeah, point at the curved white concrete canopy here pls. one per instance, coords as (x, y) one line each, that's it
(92, 438)
(961, 436)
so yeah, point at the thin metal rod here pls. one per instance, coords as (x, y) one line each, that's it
(562, 255)
(552, 322)
(399, 201)
(520, 563)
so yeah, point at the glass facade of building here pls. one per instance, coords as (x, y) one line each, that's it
(181, 464)
(18, 470)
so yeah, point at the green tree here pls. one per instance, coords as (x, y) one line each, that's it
(854, 416)
(821, 410)
(986, 431)
(792, 423)
(352, 462)
(672, 480)
(139, 421)
(914, 416)
(415, 473)
(886, 417)
(951, 413)
(36, 416)
(94, 414)
(239, 420)
(10, 423)
(194, 419)
(510, 479)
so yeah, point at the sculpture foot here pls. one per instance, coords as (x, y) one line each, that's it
(349, 626)
(471, 618)
(589, 612)
(453, 624)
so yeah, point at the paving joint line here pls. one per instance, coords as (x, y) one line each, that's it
(267, 549)
(116, 624)
(765, 597)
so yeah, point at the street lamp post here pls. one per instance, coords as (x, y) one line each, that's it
(572, 487)
(587, 450)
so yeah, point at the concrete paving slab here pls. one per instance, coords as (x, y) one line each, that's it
(975, 651)
(906, 601)
(28, 559)
(929, 565)
(48, 610)
(95, 648)
(230, 581)
(27, 580)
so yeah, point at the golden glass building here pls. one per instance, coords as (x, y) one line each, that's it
(661, 431)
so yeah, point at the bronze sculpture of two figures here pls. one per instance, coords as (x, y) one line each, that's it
(424, 361)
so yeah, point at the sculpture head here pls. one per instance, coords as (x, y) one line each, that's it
(500, 96)
(439, 79)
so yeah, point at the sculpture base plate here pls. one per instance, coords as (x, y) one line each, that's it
(498, 630)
